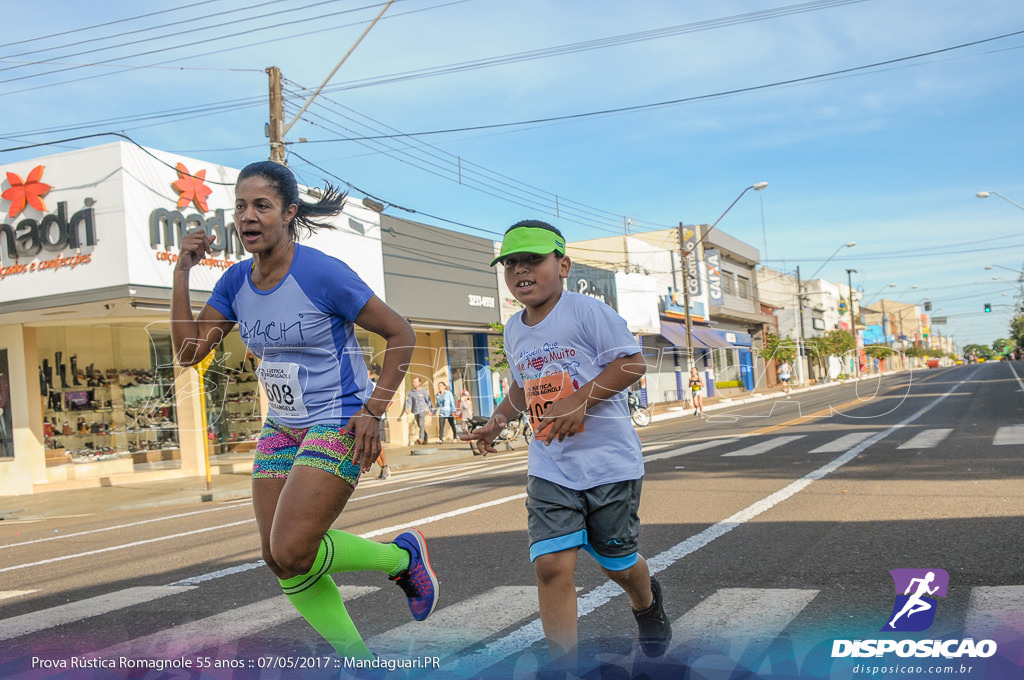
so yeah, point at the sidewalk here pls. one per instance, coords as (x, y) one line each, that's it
(231, 473)
(231, 478)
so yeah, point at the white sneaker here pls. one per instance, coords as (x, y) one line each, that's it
(385, 472)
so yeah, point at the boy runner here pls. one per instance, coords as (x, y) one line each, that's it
(572, 359)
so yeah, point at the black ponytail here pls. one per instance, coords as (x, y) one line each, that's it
(331, 200)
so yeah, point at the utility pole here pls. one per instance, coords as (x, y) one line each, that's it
(853, 320)
(278, 129)
(686, 295)
(800, 322)
(275, 129)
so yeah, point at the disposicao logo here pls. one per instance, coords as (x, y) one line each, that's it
(914, 611)
(916, 589)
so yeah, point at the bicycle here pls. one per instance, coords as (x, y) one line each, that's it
(520, 425)
(641, 416)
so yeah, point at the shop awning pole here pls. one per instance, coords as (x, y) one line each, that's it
(201, 369)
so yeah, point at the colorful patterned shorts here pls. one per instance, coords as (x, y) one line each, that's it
(325, 447)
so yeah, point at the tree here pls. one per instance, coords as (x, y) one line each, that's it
(1002, 347)
(981, 351)
(499, 361)
(775, 348)
(878, 351)
(1017, 331)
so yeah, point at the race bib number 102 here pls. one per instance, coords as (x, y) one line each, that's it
(542, 392)
(284, 391)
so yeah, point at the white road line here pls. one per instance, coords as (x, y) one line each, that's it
(453, 629)
(215, 632)
(119, 526)
(995, 613)
(765, 446)
(84, 609)
(926, 439)
(532, 632)
(443, 515)
(843, 443)
(1016, 377)
(1009, 435)
(690, 449)
(10, 594)
(717, 625)
(122, 546)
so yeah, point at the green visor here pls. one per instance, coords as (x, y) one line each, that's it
(530, 240)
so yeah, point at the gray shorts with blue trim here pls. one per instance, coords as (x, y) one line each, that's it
(602, 520)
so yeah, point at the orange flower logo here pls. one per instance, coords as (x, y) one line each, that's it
(26, 192)
(191, 188)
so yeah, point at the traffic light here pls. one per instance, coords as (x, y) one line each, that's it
(988, 307)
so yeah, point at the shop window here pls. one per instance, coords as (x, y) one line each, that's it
(743, 288)
(232, 395)
(108, 393)
(6, 416)
(728, 283)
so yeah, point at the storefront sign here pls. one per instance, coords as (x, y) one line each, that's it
(53, 232)
(593, 282)
(713, 260)
(690, 261)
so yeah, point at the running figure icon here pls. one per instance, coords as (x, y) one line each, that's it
(915, 603)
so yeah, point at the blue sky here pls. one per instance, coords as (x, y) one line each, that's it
(890, 157)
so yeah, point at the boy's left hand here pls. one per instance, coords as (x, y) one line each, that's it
(562, 419)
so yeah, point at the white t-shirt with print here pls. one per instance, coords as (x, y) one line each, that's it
(580, 336)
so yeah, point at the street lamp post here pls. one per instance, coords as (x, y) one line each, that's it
(800, 308)
(853, 322)
(686, 282)
(986, 194)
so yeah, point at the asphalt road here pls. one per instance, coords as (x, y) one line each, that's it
(772, 527)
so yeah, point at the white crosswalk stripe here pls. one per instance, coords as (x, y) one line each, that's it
(1009, 435)
(83, 609)
(996, 613)
(847, 441)
(765, 446)
(218, 631)
(460, 626)
(9, 594)
(738, 621)
(927, 439)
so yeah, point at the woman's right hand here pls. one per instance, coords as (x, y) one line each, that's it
(194, 247)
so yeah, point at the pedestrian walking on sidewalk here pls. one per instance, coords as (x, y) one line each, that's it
(382, 461)
(323, 424)
(465, 411)
(697, 391)
(417, 402)
(444, 409)
(572, 359)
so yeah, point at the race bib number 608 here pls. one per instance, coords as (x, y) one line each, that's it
(284, 390)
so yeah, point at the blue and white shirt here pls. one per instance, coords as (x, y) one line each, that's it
(311, 366)
(579, 336)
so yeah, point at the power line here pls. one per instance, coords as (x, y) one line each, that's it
(675, 102)
(108, 23)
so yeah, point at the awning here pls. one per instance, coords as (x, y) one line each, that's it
(675, 333)
(711, 338)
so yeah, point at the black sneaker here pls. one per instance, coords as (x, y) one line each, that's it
(655, 629)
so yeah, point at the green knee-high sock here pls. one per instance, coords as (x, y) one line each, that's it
(348, 552)
(316, 597)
